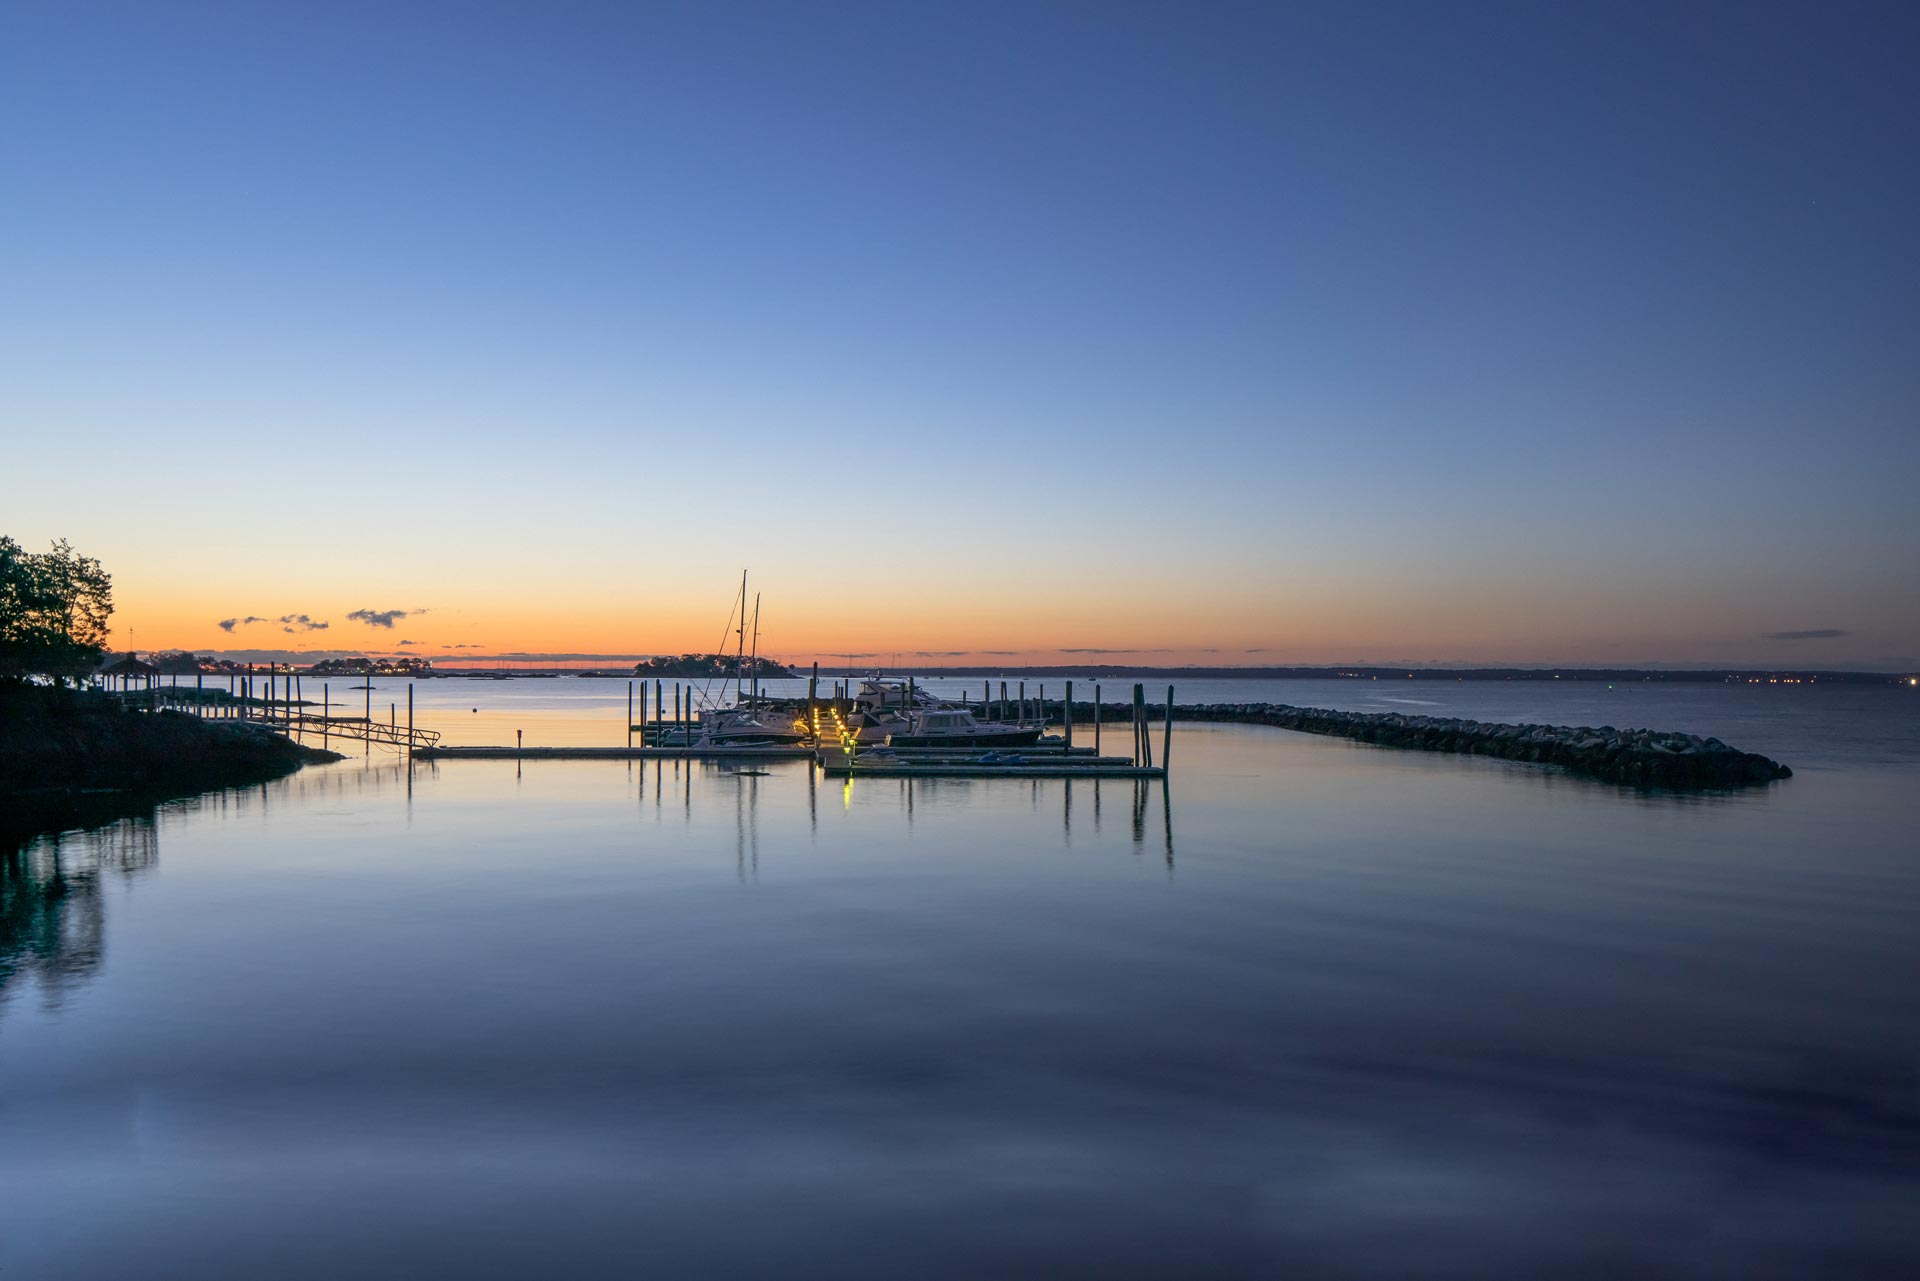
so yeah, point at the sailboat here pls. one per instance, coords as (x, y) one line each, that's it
(748, 722)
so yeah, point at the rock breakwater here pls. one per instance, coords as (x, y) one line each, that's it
(1635, 757)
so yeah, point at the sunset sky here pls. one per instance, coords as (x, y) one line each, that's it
(981, 333)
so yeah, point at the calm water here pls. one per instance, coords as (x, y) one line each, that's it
(1315, 1009)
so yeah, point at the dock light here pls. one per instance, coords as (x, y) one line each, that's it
(1913, 680)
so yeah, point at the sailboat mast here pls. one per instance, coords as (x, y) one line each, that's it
(756, 647)
(740, 651)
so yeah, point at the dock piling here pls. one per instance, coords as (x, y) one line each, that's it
(1166, 748)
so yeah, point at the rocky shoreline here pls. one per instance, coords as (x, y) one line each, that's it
(1633, 757)
(1630, 757)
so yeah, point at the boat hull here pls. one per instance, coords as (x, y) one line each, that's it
(972, 738)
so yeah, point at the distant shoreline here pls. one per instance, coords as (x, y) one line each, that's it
(1671, 676)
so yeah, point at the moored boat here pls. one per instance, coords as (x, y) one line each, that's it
(898, 714)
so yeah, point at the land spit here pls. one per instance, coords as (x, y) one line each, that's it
(51, 740)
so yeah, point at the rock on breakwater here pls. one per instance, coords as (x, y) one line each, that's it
(1636, 757)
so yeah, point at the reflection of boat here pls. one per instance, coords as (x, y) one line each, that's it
(896, 713)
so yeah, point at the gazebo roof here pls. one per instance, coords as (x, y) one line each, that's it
(129, 666)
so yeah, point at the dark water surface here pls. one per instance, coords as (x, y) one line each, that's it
(1315, 1009)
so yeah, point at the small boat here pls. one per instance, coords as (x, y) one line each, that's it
(744, 725)
(897, 714)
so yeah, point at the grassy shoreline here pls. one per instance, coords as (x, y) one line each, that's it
(61, 750)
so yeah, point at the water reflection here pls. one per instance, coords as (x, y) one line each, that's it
(1397, 1009)
(52, 918)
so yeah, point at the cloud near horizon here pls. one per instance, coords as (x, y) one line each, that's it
(381, 617)
(1812, 633)
(288, 623)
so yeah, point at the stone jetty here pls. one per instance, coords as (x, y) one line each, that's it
(1635, 757)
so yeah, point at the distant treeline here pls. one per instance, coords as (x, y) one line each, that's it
(1695, 676)
(702, 666)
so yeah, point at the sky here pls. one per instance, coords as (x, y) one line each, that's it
(1262, 333)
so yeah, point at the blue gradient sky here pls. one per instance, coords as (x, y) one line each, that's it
(1312, 333)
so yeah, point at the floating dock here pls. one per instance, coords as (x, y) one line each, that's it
(974, 769)
(1053, 758)
(612, 753)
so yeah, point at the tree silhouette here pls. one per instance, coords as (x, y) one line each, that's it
(54, 607)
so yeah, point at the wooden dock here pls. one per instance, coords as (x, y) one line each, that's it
(612, 753)
(960, 769)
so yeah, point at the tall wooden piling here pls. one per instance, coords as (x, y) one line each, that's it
(1146, 729)
(1066, 717)
(326, 713)
(643, 714)
(1166, 747)
(1135, 753)
(629, 713)
(659, 714)
(409, 720)
(1096, 718)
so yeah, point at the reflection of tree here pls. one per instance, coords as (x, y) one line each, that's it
(51, 916)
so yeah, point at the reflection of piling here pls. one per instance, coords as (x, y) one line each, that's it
(1166, 815)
